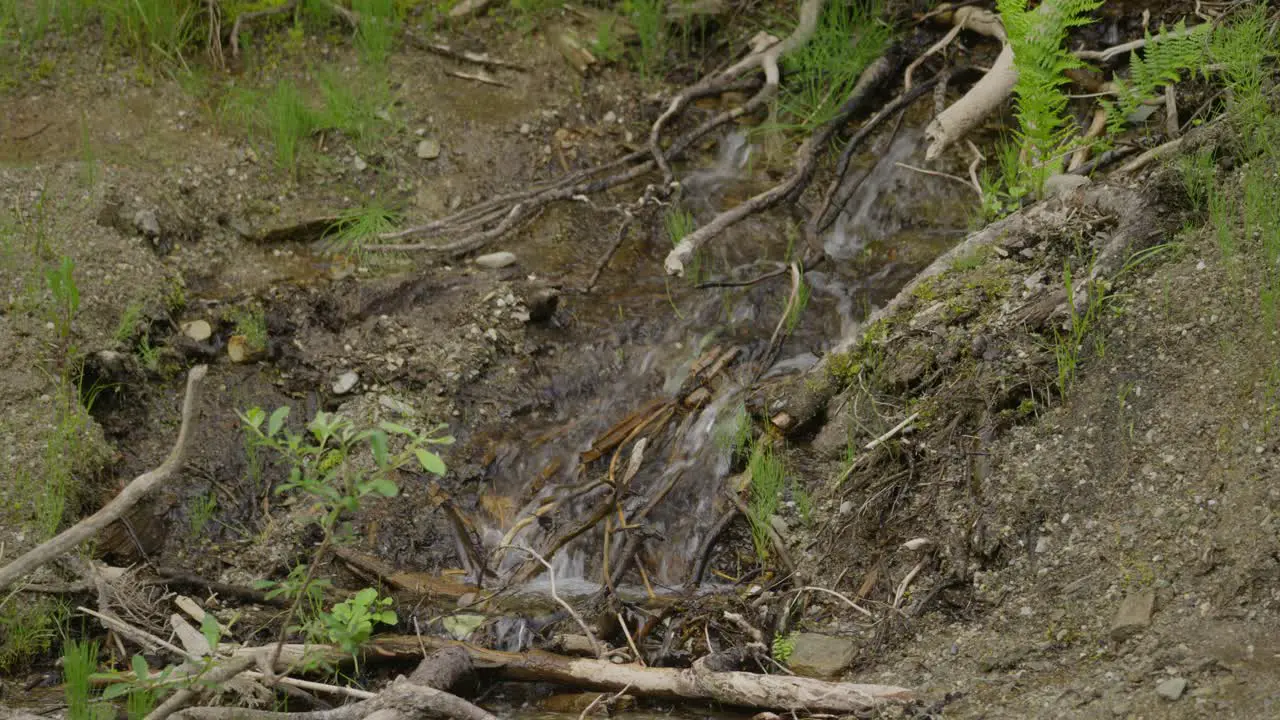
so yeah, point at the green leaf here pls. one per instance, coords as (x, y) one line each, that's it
(384, 487)
(396, 428)
(277, 420)
(140, 669)
(430, 461)
(378, 444)
(253, 417)
(365, 596)
(211, 631)
(116, 690)
(386, 617)
(442, 440)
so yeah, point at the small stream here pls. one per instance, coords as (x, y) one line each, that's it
(639, 341)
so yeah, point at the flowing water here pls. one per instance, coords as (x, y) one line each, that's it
(635, 363)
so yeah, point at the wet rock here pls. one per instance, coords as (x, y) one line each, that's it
(1172, 688)
(1060, 185)
(399, 407)
(493, 261)
(821, 656)
(239, 350)
(198, 330)
(147, 223)
(429, 149)
(1134, 615)
(345, 382)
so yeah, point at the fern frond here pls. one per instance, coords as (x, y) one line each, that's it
(1166, 57)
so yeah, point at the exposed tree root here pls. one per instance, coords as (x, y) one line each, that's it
(130, 496)
(806, 162)
(765, 57)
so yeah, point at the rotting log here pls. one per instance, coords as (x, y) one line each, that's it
(1139, 221)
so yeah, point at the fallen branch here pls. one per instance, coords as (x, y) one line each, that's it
(985, 96)
(132, 494)
(828, 209)
(700, 682)
(806, 161)
(480, 77)
(764, 58)
(482, 59)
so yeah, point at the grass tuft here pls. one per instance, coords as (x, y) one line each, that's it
(849, 36)
(356, 227)
(767, 482)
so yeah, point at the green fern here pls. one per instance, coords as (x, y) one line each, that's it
(1167, 56)
(1037, 38)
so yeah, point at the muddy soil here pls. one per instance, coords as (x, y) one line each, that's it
(1155, 475)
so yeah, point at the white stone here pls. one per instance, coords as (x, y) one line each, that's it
(345, 382)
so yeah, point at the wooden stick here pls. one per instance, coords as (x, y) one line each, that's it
(133, 493)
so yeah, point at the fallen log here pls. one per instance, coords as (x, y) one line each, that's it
(740, 689)
(1139, 221)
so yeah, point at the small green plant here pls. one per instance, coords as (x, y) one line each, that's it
(308, 594)
(356, 227)
(61, 281)
(375, 35)
(783, 646)
(607, 45)
(289, 120)
(1003, 187)
(1241, 49)
(79, 660)
(352, 103)
(1038, 37)
(733, 434)
(1069, 344)
(337, 466)
(849, 36)
(251, 323)
(767, 480)
(202, 511)
(795, 309)
(27, 630)
(804, 504)
(130, 320)
(646, 16)
(679, 223)
(148, 28)
(1166, 56)
(351, 622)
(1197, 171)
(149, 354)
